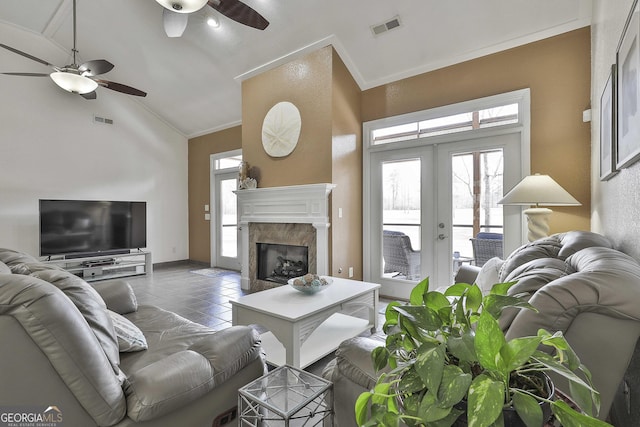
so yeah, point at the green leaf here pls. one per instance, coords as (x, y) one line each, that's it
(430, 365)
(380, 392)
(485, 401)
(570, 418)
(583, 398)
(430, 411)
(418, 292)
(421, 317)
(362, 406)
(474, 298)
(463, 347)
(454, 386)
(557, 340)
(456, 290)
(518, 351)
(528, 408)
(379, 356)
(501, 288)
(448, 420)
(494, 304)
(411, 382)
(435, 301)
(489, 340)
(390, 315)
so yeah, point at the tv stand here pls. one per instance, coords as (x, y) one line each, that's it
(103, 267)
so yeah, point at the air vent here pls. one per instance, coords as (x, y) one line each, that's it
(386, 26)
(102, 120)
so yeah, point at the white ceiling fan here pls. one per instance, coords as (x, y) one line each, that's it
(76, 78)
(176, 13)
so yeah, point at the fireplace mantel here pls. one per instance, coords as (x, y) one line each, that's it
(307, 204)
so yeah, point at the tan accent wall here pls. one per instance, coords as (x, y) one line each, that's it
(346, 173)
(306, 83)
(557, 70)
(200, 149)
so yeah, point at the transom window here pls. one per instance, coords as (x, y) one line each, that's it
(463, 122)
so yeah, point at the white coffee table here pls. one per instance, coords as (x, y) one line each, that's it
(304, 328)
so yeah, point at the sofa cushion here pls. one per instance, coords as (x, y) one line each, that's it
(489, 274)
(184, 361)
(130, 337)
(27, 268)
(11, 257)
(92, 307)
(57, 327)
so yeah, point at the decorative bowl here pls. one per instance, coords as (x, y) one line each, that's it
(310, 283)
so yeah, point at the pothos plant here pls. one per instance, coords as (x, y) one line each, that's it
(446, 355)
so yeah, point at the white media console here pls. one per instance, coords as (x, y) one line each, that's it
(105, 267)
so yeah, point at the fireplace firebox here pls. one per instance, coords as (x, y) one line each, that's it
(278, 263)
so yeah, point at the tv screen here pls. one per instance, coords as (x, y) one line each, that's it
(88, 227)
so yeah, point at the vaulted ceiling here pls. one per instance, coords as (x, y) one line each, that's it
(194, 82)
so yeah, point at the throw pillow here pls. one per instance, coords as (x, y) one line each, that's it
(489, 274)
(130, 337)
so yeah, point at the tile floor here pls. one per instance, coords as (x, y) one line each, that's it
(200, 298)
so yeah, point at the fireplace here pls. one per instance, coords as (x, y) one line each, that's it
(278, 263)
(296, 216)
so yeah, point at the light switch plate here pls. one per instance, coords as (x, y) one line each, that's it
(207, 217)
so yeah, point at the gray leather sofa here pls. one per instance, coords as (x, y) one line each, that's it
(579, 284)
(60, 349)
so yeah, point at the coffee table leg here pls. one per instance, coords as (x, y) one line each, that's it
(289, 337)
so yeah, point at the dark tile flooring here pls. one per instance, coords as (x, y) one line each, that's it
(191, 290)
(195, 292)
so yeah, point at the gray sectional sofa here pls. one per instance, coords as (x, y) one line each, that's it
(66, 346)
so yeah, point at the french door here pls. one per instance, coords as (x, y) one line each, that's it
(226, 221)
(423, 208)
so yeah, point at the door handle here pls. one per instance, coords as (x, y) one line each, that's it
(441, 237)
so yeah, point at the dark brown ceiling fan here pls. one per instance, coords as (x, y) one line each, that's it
(76, 78)
(176, 13)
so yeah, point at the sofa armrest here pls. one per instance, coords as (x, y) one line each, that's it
(467, 274)
(118, 295)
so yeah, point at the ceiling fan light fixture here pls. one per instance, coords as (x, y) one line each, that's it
(74, 83)
(213, 22)
(183, 6)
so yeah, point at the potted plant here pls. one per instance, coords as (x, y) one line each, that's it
(447, 355)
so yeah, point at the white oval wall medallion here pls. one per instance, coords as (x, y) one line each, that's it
(281, 129)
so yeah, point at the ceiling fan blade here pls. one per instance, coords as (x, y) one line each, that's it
(90, 95)
(26, 55)
(240, 12)
(174, 23)
(119, 87)
(27, 74)
(95, 67)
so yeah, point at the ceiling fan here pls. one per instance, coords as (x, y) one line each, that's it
(176, 13)
(76, 78)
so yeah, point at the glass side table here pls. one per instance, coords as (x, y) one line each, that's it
(286, 396)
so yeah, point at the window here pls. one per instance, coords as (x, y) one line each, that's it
(490, 117)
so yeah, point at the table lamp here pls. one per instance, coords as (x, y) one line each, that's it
(538, 190)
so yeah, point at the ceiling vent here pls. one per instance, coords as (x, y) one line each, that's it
(386, 26)
(102, 120)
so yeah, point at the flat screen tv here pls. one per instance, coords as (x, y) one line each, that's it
(77, 228)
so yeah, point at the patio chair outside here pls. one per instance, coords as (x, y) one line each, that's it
(399, 256)
(486, 246)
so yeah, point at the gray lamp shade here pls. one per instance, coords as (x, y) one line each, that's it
(539, 190)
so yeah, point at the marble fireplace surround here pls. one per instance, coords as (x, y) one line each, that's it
(295, 215)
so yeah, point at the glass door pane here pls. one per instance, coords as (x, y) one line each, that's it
(226, 221)
(229, 215)
(401, 219)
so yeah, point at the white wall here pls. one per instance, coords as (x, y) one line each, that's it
(615, 203)
(50, 148)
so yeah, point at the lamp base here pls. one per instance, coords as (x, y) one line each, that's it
(538, 222)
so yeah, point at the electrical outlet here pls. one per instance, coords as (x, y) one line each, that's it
(350, 272)
(207, 217)
(339, 212)
(206, 208)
